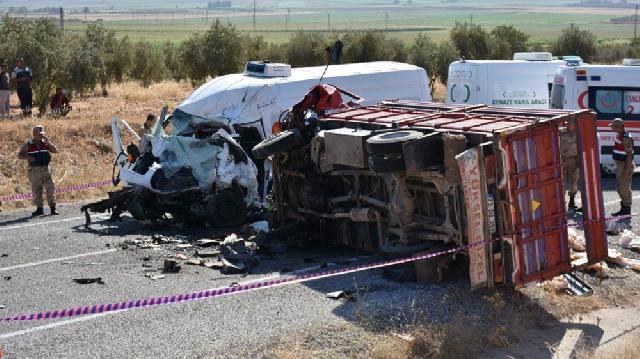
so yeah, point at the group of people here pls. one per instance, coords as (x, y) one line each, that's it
(21, 77)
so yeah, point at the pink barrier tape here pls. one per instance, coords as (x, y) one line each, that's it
(77, 187)
(225, 291)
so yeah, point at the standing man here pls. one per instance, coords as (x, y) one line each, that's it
(623, 157)
(569, 154)
(38, 152)
(22, 77)
(5, 90)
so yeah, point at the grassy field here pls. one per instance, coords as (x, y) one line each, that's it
(159, 21)
(81, 138)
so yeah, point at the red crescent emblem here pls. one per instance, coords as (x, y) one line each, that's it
(581, 103)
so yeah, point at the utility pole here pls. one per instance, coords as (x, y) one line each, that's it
(228, 21)
(329, 22)
(386, 21)
(286, 20)
(635, 26)
(254, 15)
(61, 19)
(471, 19)
(207, 15)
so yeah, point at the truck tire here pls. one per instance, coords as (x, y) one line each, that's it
(226, 209)
(276, 144)
(384, 164)
(390, 143)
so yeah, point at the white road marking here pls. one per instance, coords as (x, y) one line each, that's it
(25, 265)
(618, 201)
(95, 316)
(53, 325)
(47, 222)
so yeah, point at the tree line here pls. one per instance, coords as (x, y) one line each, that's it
(79, 62)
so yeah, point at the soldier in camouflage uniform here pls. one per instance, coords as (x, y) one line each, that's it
(623, 157)
(38, 152)
(570, 170)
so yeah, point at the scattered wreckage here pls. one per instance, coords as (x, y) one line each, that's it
(197, 172)
(407, 177)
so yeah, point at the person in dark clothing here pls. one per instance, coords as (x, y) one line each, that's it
(60, 103)
(22, 77)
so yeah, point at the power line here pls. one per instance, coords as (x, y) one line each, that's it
(254, 15)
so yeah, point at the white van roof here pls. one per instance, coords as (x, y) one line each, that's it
(245, 99)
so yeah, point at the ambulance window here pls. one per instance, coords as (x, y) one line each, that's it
(557, 96)
(631, 104)
(608, 101)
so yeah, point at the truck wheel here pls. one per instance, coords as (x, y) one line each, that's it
(390, 143)
(384, 164)
(226, 209)
(276, 144)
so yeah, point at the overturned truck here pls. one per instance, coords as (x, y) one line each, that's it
(407, 177)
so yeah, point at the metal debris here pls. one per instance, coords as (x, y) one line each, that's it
(88, 280)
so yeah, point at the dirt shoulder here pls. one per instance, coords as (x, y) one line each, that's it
(83, 138)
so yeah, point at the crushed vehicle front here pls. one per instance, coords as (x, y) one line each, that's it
(195, 172)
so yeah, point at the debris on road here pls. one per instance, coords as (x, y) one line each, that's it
(7, 278)
(342, 294)
(629, 240)
(194, 262)
(616, 227)
(206, 254)
(171, 266)
(154, 276)
(4, 255)
(88, 280)
(2, 306)
(207, 242)
(236, 255)
(576, 241)
(616, 257)
(182, 256)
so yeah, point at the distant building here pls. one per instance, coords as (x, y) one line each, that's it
(219, 4)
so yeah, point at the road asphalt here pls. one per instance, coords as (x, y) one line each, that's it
(39, 257)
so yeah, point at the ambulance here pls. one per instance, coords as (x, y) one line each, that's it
(525, 81)
(609, 90)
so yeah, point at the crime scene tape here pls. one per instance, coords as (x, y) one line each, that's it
(78, 187)
(247, 287)
(224, 291)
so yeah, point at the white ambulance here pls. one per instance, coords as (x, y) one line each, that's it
(523, 82)
(609, 90)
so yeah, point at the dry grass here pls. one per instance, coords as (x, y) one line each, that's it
(81, 158)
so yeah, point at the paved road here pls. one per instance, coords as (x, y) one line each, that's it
(43, 255)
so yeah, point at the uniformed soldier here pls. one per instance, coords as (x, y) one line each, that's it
(623, 157)
(38, 152)
(570, 170)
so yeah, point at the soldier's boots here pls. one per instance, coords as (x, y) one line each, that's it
(53, 211)
(624, 211)
(38, 212)
(572, 204)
